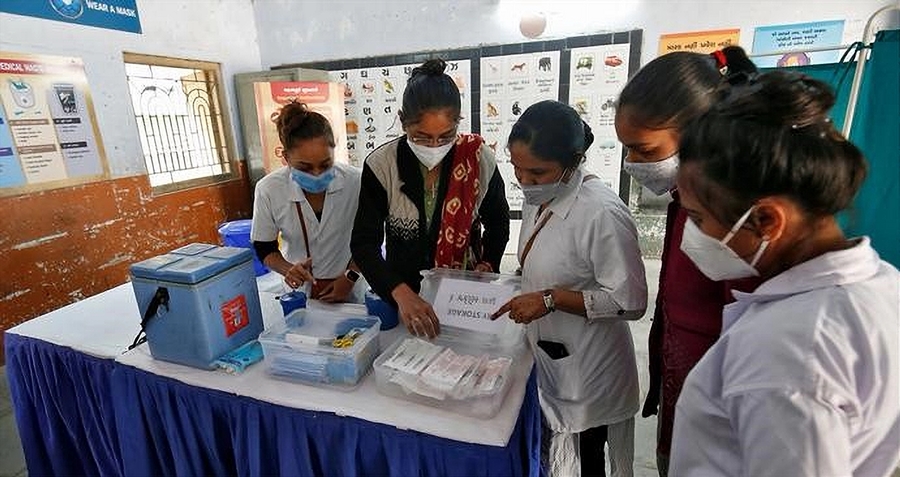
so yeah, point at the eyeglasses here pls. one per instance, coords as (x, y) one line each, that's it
(433, 141)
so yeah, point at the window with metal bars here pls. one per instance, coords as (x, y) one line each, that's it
(184, 134)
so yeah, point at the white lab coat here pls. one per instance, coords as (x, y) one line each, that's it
(805, 379)
(590, 245)
(275, 211)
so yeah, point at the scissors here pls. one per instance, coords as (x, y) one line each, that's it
(347, 339)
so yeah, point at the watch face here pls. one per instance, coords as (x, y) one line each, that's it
(352, 275)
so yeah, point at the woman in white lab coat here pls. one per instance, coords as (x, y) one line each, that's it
(309, 204)
(582, 276)
(805, 379)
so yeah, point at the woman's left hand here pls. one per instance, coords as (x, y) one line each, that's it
(337, 291)
(484, 267)
(524, 308)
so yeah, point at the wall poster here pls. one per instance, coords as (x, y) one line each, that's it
(596, 76)
(48, 132)
(324, 98)
(792, 39)
(509, 84)
(372, 97)
(110, 14)
(699, 41)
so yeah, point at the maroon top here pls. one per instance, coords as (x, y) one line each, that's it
(687, 321)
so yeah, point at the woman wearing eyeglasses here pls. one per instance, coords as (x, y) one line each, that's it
(424, 191)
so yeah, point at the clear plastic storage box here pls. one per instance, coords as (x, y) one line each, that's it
(468, 368)
(322, 347)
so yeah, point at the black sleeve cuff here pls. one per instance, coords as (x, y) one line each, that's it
(263, 249)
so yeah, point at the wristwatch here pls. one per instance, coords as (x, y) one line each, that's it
(548, 301)
(351, 275)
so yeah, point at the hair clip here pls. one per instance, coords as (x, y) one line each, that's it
(721, 61)
(795, 126)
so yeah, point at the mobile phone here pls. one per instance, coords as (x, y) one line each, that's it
(553, 349)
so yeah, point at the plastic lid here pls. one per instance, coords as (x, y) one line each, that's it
(191, 264)
(192, 249)
(237, 226)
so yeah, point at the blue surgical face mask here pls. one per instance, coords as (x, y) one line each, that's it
(313, 184)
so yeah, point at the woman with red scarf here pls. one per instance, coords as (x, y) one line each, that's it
(427, 191)
(652, 110)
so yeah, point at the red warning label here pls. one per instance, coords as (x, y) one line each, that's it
(235, 315)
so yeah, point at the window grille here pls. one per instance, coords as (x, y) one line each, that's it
(178, 109)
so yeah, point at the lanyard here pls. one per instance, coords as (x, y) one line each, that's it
(303, 225)
(534, 233)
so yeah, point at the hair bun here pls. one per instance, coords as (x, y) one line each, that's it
(432, 67)
(738, 61)
(588, 134)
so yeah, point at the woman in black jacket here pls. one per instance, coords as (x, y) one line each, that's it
(428, 191)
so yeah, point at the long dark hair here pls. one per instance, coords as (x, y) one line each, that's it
(677, 87)
(771, 135)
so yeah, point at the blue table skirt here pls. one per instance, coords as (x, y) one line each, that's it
(170, 428)
(70, 424)
(63, 407)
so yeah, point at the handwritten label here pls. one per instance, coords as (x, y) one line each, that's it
(468, 304)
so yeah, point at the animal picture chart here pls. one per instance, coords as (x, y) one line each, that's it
(373, 96)
(596, 76)
(509, 84)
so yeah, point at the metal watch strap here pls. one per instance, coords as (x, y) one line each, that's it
(548, 301)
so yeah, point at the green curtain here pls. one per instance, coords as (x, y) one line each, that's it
(876, 131)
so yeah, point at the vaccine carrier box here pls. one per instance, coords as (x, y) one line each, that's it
(199, 302)
(467, 368)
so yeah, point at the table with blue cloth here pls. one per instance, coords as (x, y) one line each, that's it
(85, 408)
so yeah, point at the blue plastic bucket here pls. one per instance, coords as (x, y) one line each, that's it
(237, 234)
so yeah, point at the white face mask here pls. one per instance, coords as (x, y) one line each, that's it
(658, 176)
(714, 257)
(539, 194)
(430, 157)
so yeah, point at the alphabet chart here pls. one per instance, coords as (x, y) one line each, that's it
(373, 96)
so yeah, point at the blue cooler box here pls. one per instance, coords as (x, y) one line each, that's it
(213, 303)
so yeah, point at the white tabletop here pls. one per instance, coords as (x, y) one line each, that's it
(105, 324)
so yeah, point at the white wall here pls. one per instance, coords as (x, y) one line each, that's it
(292, 31)
(222, 31)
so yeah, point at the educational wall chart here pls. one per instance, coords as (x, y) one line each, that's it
(509, 84)
(47, 131)
(324, 98)
(596, 76)
(792, 39)
(372, 97)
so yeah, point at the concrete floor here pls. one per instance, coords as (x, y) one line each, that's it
(12, 461)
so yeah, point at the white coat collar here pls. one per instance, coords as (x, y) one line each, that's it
(568, 192)
(841, 267)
